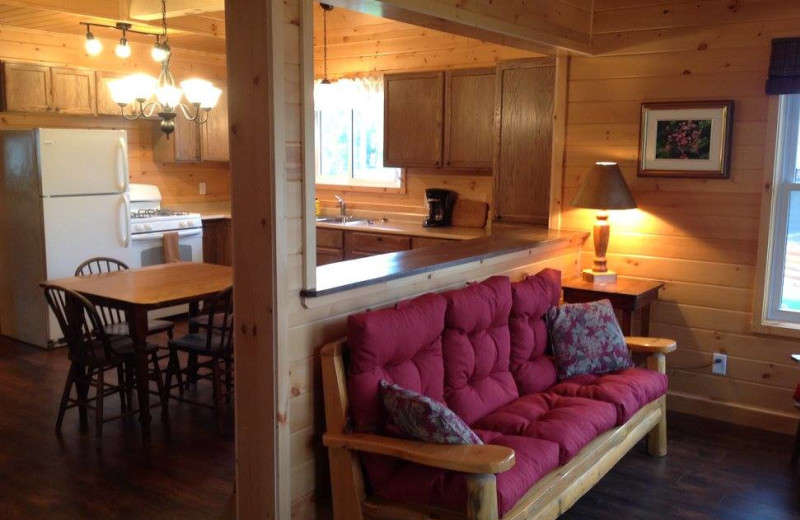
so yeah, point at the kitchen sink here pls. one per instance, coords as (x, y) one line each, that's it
(347, 220)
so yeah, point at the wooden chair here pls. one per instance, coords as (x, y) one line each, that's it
(92, 352)
(213, 350)
(114, 320)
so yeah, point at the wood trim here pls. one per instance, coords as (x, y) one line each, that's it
(308, 152)
(650, 345)
(256, 109)
(558, 156)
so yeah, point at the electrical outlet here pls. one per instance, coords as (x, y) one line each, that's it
(202, 188)
(720, 364)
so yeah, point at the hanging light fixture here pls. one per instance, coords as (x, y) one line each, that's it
(93, 45)
(138, 89)
(322, 90)
(123, 50)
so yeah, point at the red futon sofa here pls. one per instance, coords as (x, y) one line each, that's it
(483, 351)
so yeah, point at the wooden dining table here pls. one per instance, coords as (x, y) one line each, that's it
(137, 291)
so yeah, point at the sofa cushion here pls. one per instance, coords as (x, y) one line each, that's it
(402, 346)
(476, 349)
(571, 422)
(587, 339)
(533, 370)
(424, 419)
(429, 486)
(628, 390)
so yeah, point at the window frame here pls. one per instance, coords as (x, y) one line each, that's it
(781, 147)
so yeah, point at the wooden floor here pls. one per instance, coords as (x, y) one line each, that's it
(714, 470)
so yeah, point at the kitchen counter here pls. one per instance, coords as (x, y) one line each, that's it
(415, 229)
(350, 274)
(212, 210)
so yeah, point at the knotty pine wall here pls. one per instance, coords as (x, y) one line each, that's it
(178, 182)
(700, 236)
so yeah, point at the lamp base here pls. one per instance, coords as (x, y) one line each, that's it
(593, 276)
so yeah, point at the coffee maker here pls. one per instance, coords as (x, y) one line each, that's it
(440, 204)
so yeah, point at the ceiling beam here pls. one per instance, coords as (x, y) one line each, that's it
(496, 24)
(151, 9)
(111, 9)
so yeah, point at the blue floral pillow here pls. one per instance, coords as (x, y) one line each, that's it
(421, 418)
(587, 339)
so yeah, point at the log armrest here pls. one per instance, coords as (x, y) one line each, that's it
(467, 458)
(645, 345)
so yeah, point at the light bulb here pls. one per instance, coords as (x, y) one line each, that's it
(169, 96)
(123, 50)
(93, 45)
(160, 51)
(141, 85)
(195, 89)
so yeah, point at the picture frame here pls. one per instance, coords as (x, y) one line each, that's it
(686, 139)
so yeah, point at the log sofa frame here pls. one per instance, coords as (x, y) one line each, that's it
(547, 499)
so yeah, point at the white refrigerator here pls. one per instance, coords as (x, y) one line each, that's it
(63, 199)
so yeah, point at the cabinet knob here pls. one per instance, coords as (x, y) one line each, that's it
(447, 163)
(436, 163)
(380, 239)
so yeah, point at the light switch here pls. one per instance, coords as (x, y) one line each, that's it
(202, 188)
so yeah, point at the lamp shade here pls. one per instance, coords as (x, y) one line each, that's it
(604, 188)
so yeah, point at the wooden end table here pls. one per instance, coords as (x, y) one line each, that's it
(626, 295)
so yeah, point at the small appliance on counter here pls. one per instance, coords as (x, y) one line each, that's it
(440, 204)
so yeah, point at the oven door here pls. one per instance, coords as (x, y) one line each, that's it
(147, 249)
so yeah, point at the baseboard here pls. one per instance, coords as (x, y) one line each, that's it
(761, 418)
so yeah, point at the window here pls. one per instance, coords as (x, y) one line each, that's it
(781, 305)
(349, 134)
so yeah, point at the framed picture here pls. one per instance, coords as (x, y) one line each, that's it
(686, 139)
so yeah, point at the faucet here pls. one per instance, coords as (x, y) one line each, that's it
(342, 206)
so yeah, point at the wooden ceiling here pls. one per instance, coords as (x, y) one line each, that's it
(205, 33)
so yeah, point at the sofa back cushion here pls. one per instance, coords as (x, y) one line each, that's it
(476, 346)
(534, 371)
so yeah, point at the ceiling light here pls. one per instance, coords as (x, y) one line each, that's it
(93, 45)
(160, 50)
(321, 88)
(123, 50)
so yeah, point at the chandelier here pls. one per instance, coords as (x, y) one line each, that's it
(137, 90)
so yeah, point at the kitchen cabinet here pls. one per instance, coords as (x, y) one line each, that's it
(191, 142)
(420, 242)
(106, 105)
(330, 246)
(440, 119)
(359, 245)
(74, 91)
(469, 119)
(524, 102)
(36, 88)
(26, 88)
(214, 134)
(217, 242)
(413, 119)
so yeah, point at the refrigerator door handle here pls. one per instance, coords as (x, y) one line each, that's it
(125, 170)
(126, 220)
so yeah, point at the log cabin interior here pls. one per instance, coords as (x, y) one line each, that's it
(362, 153)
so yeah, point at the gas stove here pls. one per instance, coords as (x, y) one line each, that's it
(148, 217)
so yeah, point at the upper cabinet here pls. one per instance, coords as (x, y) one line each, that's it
(439, 120)
(525, 104)
(214, 136)
(469, 119)
(413, 119)
(26, 87)
(191, 142)
(73, 91)
(36, 88)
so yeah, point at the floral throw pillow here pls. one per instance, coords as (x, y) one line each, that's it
(587, 339)
(424, 419)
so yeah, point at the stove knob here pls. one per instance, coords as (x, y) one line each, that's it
(182, 224)
(190, 223)
(148, 227)
(138, 228)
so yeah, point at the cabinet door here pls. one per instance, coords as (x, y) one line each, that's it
(183, 145)
(73, 91)
(106, 105)
(377, 243)
(413, 119)
(214, 143)
(525, 94)
(27, 87)
(469, 119)
(329, 256)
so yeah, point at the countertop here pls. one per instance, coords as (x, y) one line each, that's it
(350, 274)
(397, 227)
(212, 210)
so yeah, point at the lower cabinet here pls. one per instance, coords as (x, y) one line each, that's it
(217, 242)
(335, 245)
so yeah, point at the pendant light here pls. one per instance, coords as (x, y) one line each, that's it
(322, 90)
(93, 45)
(123, 50)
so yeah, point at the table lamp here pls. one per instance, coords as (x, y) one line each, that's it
(604, 188)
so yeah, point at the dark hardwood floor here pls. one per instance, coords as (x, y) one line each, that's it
(714, 470)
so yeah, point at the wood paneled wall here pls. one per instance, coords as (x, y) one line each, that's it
(359, 44)
(178, 182)
(700, 236)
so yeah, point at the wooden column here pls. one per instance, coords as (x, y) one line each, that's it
(255, 77)
(482, 497)
(657, 438)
